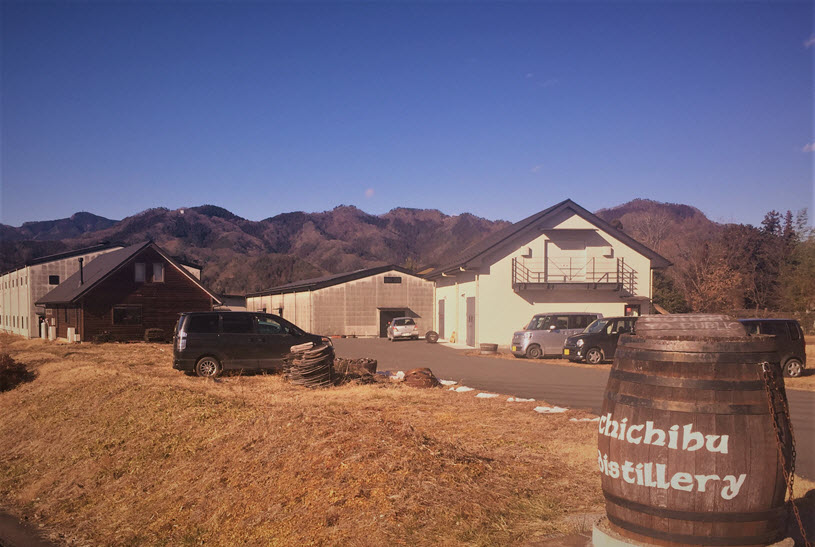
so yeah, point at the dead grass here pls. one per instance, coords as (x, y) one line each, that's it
(111, 446)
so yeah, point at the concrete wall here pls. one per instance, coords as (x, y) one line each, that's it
(500, 310)
(353, 308)
(15, 302)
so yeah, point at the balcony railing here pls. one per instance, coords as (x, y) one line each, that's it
(593, 273)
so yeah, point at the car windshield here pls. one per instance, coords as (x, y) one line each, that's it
(540, 323)
(596, 326)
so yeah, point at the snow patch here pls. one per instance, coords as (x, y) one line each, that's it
(550, 409)
(519, 400)
(486, 395)
(448, 382)
(461, 389)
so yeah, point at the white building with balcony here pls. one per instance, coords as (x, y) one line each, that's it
(562, 259)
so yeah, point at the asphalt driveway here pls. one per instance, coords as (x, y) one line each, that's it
(563, 385)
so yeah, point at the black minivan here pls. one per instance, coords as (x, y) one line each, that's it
(791, 345)
(599, 341)
(208, 343)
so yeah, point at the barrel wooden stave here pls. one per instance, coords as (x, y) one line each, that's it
(735, 403)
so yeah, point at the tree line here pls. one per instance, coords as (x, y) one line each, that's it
(741, 269)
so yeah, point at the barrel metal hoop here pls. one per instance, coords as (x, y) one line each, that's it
(687, 383)
(692, 408)
(694, 516)
(762, 539)
(700, 359)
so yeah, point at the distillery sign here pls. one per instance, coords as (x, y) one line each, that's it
(681, 437)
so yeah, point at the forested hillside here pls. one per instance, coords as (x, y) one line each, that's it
(761, 270)
(716, 267)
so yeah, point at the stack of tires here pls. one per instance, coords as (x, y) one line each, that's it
(311, 368)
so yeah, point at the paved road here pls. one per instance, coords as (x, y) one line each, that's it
(563, 385)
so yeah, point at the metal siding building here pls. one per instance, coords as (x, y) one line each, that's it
(359, 303)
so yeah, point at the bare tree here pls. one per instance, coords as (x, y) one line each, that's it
(651, 228)
(708, 281)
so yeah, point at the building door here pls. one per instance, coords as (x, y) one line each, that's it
(471, 321)
(566, 258)
(441, 318)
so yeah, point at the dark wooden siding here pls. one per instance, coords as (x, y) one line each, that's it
(63, 317)
(160, 302)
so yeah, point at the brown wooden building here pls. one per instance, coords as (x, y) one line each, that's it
(125, 292)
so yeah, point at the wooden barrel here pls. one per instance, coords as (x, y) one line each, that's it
(687, 450)
(488, 349)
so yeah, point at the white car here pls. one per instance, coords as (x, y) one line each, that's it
(402, 327)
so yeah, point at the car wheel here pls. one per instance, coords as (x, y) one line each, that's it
(594, 356)
(208, 367)
(534, 352)
(793, 368)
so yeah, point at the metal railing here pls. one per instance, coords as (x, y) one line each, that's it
(559, 270)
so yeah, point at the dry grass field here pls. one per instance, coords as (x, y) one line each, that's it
(110, 446)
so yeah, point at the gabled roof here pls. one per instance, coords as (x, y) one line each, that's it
(67, 254)
(329, 280)
(471, 255)
(101, 267)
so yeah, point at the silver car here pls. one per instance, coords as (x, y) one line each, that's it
(403, 327)
(546, 332)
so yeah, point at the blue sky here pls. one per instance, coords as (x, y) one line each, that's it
(498, 109)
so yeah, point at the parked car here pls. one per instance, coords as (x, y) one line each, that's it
(207, 343)
(599, 341)
(546, 332)
(403, 327)
(791, 345)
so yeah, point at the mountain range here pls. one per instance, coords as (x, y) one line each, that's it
(240, 255)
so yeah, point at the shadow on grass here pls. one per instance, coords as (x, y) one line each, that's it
(13, 373)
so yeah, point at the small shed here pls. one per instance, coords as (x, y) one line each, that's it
(358, 303)
(123, 293)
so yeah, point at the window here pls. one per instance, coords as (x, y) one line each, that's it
(770, 327)
(53, 280)
(267, 325)
(580, 321)
(402, 322)
(141, 272)
(793, 328)
(237, 323)
(206, 324)
(126, 315)
(392, 279)
(158, 272)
